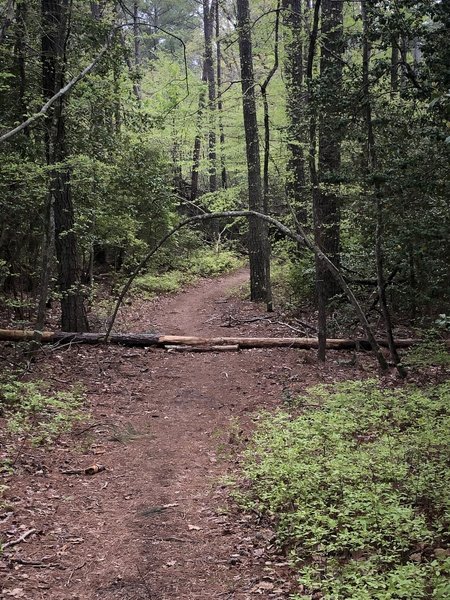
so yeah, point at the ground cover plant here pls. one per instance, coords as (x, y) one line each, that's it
(34, 414)
(356, 479)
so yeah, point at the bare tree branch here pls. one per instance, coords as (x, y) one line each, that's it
(298, 237)
(59, 93)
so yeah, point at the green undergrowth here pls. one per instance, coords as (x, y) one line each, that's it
(204, 262)
(431, 351)
(35, 414)
(357, 483)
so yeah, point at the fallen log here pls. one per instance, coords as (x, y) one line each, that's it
(150, 339)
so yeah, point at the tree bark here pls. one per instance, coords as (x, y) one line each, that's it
(198, 141)
(329, 158)
(223, 170)
(264, 87)
(209, 11)
(137, 52)
(394, 65)
(20, 56)
(258, 237)
(372, 166)
(7, 19)
(295, 101)
(315, 189)
(55, 19)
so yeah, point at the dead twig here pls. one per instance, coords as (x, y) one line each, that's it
(243, 321)
(144, 583)
(20, 539)
(72, 572)
(37, 564)
(91, 427)
(233, 322)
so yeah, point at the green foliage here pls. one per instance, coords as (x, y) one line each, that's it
(160, 284)
(359, 488)
(292, 275)
(201, 263)
(432, 351)
(207, 262)
(36, 414)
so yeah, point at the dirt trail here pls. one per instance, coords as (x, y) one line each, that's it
(156, 523)
(194, 312)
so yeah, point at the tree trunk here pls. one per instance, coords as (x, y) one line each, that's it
(314, 176)
(394, 65)
(264, 87)
(258, 238)
(372, 166)
(295, 100)
(7, 19)
(137, 52)
(20, 56)
(209, 11)
(198, 141)
(55, 18)
(223, 170)
(328, 209)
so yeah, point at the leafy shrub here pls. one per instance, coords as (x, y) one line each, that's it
(292, 274)
(359, 489)
(160, 284)
(202, 263)
(207, 263)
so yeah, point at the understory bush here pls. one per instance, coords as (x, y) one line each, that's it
(357, 482)
(203, 262)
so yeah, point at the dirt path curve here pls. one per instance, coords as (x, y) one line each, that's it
(156, 523)
(194, 312)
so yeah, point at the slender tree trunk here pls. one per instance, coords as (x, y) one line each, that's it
(223, 170)
(328, 209)
(394, 65)
(137, 52)
(47, 252)
(198, 141)
(55, 15)
(258, 237)
(96, 11)
(264, 87)
(372, 166)
(20, 56)
(315, 185)
(7, 19)
(295, 104)
(209, 11)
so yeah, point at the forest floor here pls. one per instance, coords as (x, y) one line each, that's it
(158, 523)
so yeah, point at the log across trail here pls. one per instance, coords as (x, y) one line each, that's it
(148, 339)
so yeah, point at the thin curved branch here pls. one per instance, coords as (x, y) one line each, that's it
(298, 237)
(63, 91)
(12, 132)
